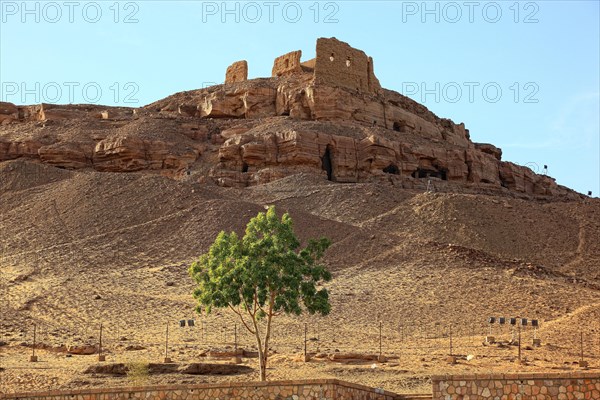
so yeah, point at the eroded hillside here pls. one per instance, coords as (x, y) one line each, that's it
(84, 247)
(102, 209)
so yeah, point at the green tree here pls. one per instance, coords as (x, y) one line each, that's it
(262, 275)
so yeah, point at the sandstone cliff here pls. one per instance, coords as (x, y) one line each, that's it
(250, 132)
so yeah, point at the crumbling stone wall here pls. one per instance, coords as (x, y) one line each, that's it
(339, 64)
(287, 64)
(336, 64)
(309, 66)
(237, 72)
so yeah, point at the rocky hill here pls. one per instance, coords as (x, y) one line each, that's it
(328, 117)
(103, 208)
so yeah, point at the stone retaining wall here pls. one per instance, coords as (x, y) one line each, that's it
(550, 386)
(321, 389)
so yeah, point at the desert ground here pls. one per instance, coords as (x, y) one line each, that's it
(416, 275)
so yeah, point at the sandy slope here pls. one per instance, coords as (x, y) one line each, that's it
(83, 248)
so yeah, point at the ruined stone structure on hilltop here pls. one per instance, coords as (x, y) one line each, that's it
(339, 64)
(336, 64)
(237, 72)
(327, 116)
(288, 63)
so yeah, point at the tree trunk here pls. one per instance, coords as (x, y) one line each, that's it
(262, 363)
(263, 346)
(265, 354)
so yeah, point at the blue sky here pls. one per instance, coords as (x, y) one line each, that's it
(523, 75)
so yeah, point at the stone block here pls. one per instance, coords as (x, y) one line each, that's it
(451, 360)
(236, 359)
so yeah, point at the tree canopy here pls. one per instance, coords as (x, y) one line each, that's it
(262, 275)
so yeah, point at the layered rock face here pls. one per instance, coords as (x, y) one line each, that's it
(310, 117)
(256, 158)
(104, 138)
(8, 112)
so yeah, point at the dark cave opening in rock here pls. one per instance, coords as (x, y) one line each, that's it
(391, 169)
(244, 167)
(428, 173)
(326, 163)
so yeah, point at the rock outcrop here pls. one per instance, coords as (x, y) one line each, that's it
(125, 154)
(8, 112)
(10, 150)
(327, 116)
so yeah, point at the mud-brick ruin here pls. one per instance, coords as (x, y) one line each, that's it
(237, 72)
(328, 116)
(337, 64)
